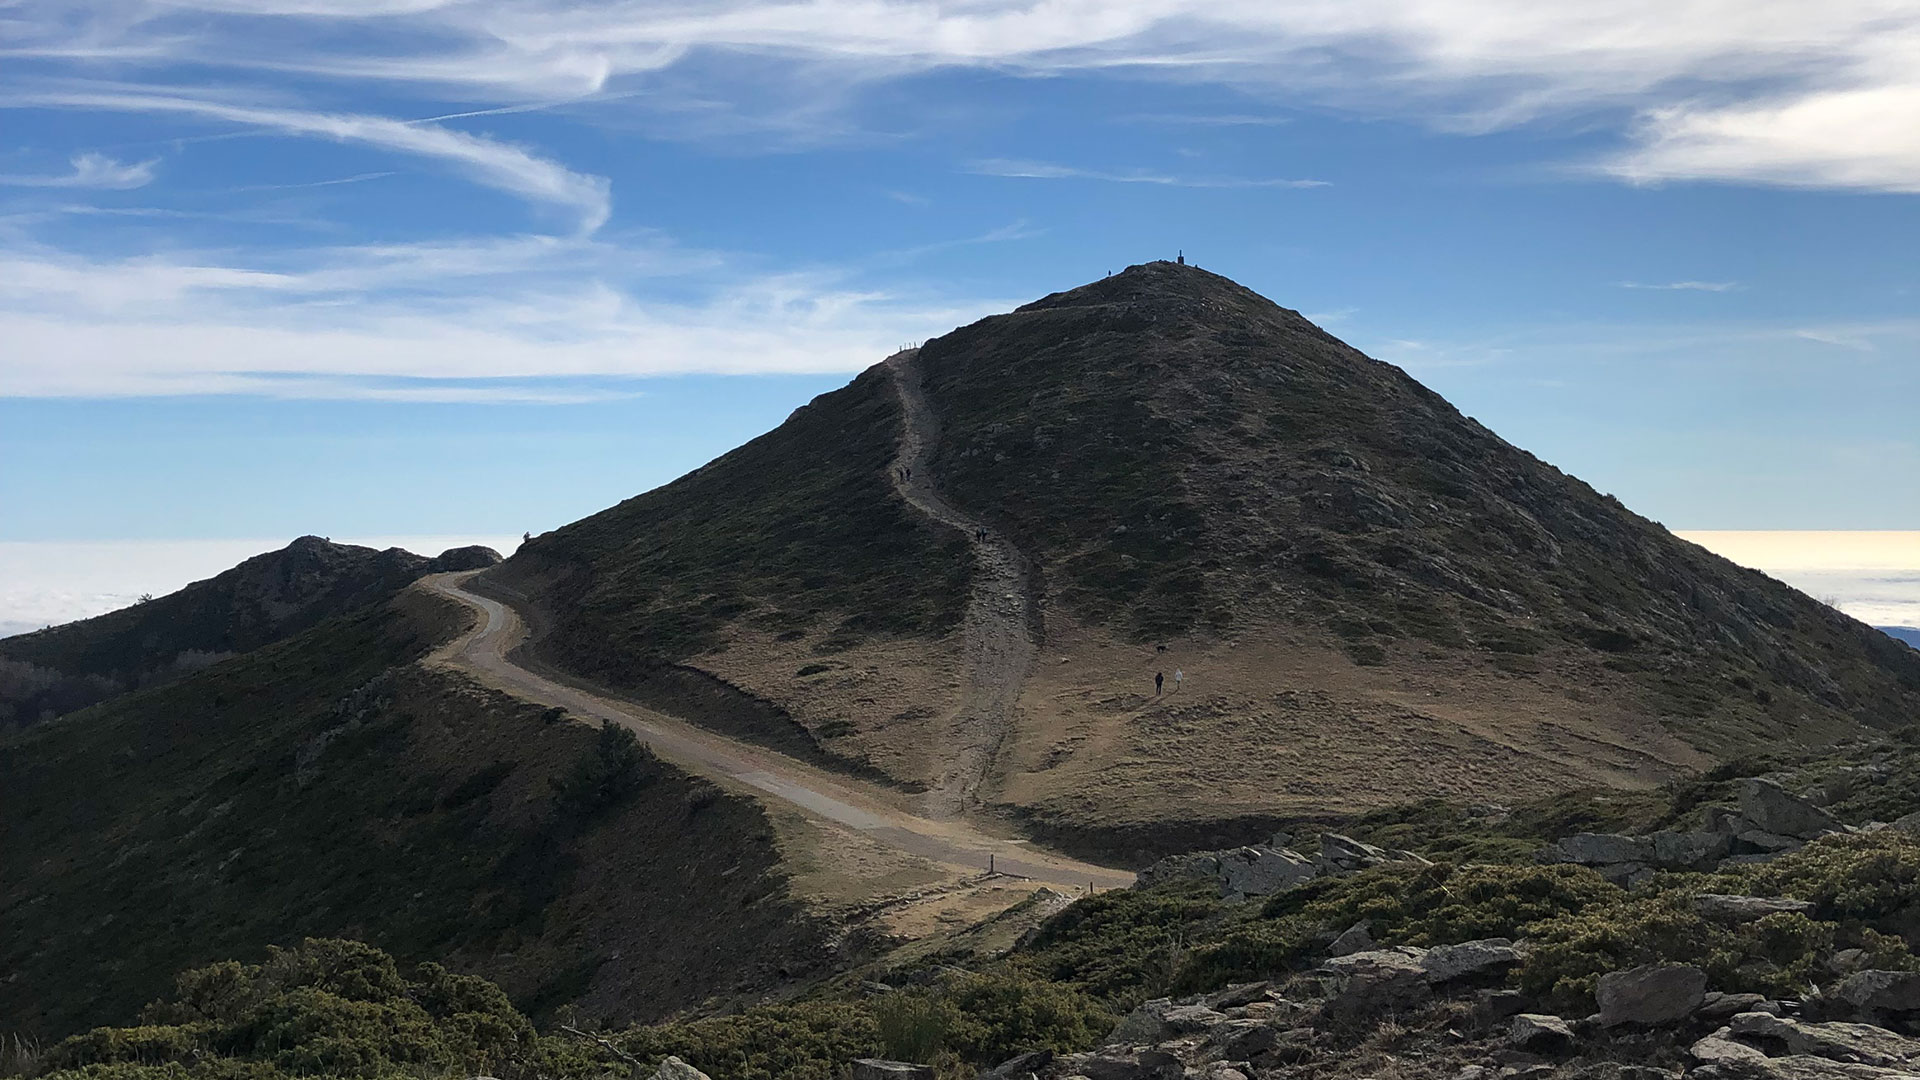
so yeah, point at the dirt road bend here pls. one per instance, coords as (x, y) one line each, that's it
(997, 629)
(482, 652)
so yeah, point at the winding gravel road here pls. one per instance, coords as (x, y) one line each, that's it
(876, 812)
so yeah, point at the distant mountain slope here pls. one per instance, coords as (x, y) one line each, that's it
(329, 785)
(1908, 634)
(1375, 597)
(262, 600)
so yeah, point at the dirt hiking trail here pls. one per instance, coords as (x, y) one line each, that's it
(997, 630)
(483, 653)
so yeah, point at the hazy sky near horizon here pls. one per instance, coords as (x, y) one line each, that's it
(382, 267)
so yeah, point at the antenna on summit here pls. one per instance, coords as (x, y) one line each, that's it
(1181, 258)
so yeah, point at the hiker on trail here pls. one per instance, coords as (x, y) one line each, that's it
(1178, 678)
(1159, 680)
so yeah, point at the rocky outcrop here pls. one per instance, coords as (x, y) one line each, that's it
(1257, 870)
(1770, 820)
(881, 1069)
(675, 1069)
(1652, 994)
(1264, 869)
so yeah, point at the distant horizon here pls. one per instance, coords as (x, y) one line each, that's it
(1870, 574)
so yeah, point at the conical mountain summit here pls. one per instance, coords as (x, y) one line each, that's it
(963, 571)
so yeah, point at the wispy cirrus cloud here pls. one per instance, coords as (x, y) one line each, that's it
(1681, 286)
(1760, 91)
(496, 164)
(1042, 170)
(90, 171)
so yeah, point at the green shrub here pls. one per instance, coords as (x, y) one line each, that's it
(1121, 947)
(779, 1042)
(325, 1008)
(996, 1016)
(1443, 903)
(1872, 878)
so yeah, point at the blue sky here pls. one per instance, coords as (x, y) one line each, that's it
(389, 267)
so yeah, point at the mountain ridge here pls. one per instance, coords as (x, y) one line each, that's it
(263, 599)
(1190, 466)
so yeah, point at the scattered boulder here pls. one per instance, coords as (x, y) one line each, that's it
(1448, 963)
(1186, 1019)
(1599, 849)
(1146, 1024)
(1500, 1004)
(1243, 1040)
(882, 1069)
(1539, 1031)
(1875, 993)
(1740, 909)
(1761, 842)
(1651, 994)
(1021, 1065)
(1343, 854)
(1378, 981)
(1239, 994)
(1720, 1049)
(1773, 809)
(673, 1068)
(1719, 1006)
(1356, 938)
(1258, 870)
(1863, 1043)
(1690, 850)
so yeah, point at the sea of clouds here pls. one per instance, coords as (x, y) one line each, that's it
(1872, 576)
(47, 582)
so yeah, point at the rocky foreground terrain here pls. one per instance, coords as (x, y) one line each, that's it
(1756, 922)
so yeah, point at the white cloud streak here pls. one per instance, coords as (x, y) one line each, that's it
(490, 162)
(1683, 286)
(91, 171)
(1041, 170)
(1752, 91)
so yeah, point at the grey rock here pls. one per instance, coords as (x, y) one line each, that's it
(1863, 1043)
(1908, 824)
(1238, 994)
(1721, 819)
(1847, 961)
(1760, 841)
(1806, 1067)
(1240, 872)
(1020, 1065)
(1355, 939)
(1186, 1019)
(1146, 1024)
(1880, 991)
(1773, 809)
(1243, 1040)
(1103, 1066)
(1539, 1031)
(1379, 981)
(1719, 1006)
(882, 1069)
(1723, 907)
(1651, 994)
(1690, 850)
(1446, 963)
(1598, 849)
(1500, 1004)
(1346, 853)
(1217, 1070)
(675, 1069)
(1720, 1049)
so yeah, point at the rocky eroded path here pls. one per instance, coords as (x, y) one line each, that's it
(997, 632)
